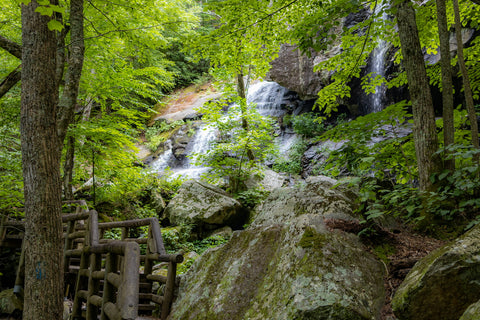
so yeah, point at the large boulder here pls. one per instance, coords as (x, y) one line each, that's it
(300, 271)
(444, 283)
(287, 267)
(204, 205)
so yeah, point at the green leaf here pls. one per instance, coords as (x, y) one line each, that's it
(44, 11)
(55, 25)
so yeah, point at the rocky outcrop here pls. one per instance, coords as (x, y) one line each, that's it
(443, 284)
(294, 71)
(286, 267)
(205, 206)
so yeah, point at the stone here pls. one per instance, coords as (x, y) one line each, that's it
(443, 284)
(287, 265)
(472, 312)
(204, 205)
(268, 180)
(294, 71)
(9, 302)
(299, 271)
(318, 196)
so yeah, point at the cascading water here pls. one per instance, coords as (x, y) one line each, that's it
(377, 66)
(268, 97)
(269, 100)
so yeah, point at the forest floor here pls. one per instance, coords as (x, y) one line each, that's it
(399, 249)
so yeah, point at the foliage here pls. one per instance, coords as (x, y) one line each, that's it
(362, 153)
(292, 162)
(308, 124)
(251, 197)
(11, 180)
(159, 132)
(228, 156)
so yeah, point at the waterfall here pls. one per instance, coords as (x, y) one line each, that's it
(268, 97)
(377, 66)
(269, 100)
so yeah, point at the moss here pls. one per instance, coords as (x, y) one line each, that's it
(312, 239)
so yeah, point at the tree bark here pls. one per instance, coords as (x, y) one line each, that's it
(424, 129)
(447, 86)
(466, 81)
(76, 50)
(41, 170)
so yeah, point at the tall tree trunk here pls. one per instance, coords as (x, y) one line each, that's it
(466, 81)
(41, 170)
(447, 87)
(76, 51)
(424, 129)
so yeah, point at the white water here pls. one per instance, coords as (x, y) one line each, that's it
(377, 67)
(267, 96)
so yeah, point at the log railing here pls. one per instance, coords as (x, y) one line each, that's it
(109, 284)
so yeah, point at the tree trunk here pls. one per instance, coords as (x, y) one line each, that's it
(243, 108)
(41, 170)
(447, 87)
(68, 169)
(76, 50)
(466, 81)
(424, 129)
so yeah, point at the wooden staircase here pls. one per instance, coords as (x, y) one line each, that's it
(111, 278)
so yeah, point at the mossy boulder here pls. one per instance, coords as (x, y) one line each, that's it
(279, 271)
(206, 206)
(443, 284)
(472, 312)
(318, 195)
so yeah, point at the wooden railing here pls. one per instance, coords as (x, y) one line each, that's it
(109, 283)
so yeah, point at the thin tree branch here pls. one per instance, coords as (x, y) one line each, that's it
(11, 46)
(10, 81)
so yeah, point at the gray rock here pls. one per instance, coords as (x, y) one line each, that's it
(287, 265)
(318, 196)
(294, 71)
(205, 206)
(280, 272)
(472, 312)
(268, 180)
(444, 283)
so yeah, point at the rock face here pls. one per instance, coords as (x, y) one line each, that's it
(287, 267)
(294, 71)
(206, 206)
(443, 284)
